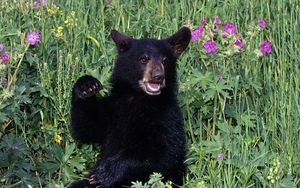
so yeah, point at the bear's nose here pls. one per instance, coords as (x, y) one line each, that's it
(158, 76)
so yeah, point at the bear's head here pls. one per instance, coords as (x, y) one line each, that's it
(147, 65)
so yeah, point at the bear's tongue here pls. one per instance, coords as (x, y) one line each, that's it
(153, 86)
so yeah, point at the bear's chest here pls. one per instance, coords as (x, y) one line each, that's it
(138, 129)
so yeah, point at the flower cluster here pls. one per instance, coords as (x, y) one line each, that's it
(61, 28)
(217, 37)
(213, 33)
(4, 54)
(71, 19)
(261, 23)
(58, 32)
(55, 10)
(210, 46)
(266, 47)
(57, 138)
(33, 37)
(38, 3)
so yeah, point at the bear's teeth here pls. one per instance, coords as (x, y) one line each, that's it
(153, 86)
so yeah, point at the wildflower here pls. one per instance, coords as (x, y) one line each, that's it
(197, 33)
(4, 83)
(33, 37)
(210, 46)
(218, 21)
(57, 138)
(239, 43)
(261, 23)
(229, 28)
(43, 2)
(5, 57)
(203, 22)
(36, 4)
(266, 47)
(54, 10)
(1, 47)
(214, 30)
(59, 32)
(71, 19)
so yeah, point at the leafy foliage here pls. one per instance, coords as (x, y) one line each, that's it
(240, 105)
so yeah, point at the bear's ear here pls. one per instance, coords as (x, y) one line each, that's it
(123, 42)
(180, 40)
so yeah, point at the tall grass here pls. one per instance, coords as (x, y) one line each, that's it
(249, 138)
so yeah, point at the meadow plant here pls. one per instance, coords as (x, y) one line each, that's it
(213, 35)
(266, 47)
(211, 86)
(5, 57)
(238, 87)
(33, 37)
(261, 23)
(210, 46)
(38, 3)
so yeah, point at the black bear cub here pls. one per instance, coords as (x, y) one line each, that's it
(139, 124)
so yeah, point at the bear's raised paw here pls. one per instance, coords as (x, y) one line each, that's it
(86, 86)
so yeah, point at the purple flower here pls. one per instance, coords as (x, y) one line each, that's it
(266, 47)
(203, 22)
(214, 30)
(261, 23)
(4, 83)
(1, 47)
(43, 2)
(239, 43)
(210, 46)
(229, 29)
(197, 33)
(5, 57)
(218, 21)
(33, 37)
(36, 4)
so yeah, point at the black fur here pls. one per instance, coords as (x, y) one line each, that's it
(139, 133)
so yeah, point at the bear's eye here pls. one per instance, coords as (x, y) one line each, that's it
(144, 59)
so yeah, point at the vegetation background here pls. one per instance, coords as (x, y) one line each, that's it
(241, 109)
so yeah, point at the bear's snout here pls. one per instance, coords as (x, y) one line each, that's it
(158, 75)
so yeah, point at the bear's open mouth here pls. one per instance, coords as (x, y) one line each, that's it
(152, 88)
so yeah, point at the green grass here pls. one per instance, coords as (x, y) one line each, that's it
(242, 130)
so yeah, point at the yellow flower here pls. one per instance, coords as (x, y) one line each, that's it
(61, 12)
(60, 28)
(58, 32)
(57, 138)
(54, 10)
(71, 19)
